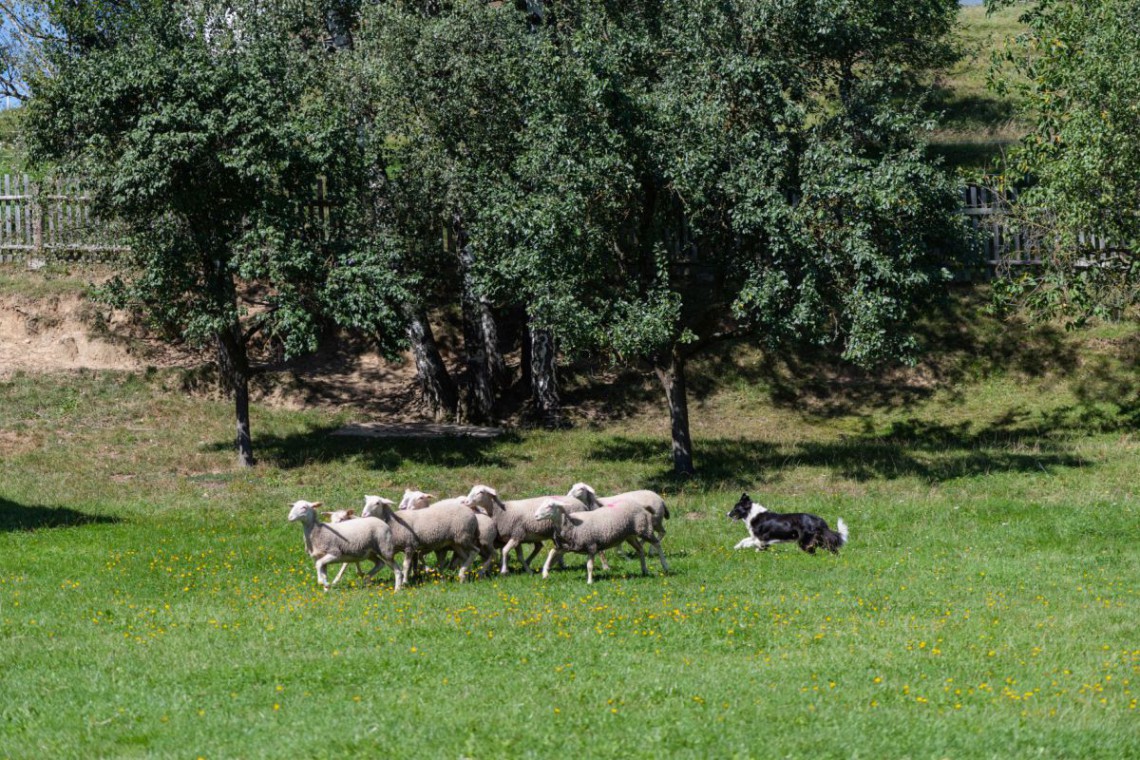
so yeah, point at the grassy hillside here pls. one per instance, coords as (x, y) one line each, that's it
(977, 124)
(155, 602)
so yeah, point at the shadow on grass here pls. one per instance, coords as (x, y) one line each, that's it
(962, 344)
(19, 517)
(319, 446)
(931, 452)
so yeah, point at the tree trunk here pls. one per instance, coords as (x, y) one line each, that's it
(233, 362)
(671, 372)
(480, 382)
(543, 380)
(496, 364)
(438, 389)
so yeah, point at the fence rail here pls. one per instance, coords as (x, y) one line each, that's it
(52, 219)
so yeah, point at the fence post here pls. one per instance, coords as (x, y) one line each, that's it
(37, 212)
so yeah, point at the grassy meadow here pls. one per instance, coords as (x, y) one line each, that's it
(977, 124)
(155, 602)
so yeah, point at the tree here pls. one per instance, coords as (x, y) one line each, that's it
(24, 31)
(1079, 166)
(774, 183)
(202, 126)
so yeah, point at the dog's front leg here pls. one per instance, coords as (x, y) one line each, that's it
(745, 543)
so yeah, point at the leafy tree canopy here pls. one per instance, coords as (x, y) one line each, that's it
(1080, 163)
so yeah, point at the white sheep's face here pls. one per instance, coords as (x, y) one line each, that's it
(547, 510)
(303, 510)
(374, 505)
(415, 500)
(483, 498)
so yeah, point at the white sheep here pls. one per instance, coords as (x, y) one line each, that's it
(482, 501)
(350, 541)
(592, 531)
(451, 526)
(516, 524)
(650, 499)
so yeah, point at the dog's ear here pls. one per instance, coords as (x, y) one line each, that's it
(744, 497)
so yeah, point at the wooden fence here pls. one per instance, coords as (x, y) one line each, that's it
(1006, 248)
(52, 220)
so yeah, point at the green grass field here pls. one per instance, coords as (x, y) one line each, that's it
(976, 124)
(155, 602)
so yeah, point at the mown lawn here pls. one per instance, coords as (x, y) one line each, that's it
(155, 602)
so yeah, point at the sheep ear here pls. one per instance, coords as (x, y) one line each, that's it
(315, 504)
(349, 513)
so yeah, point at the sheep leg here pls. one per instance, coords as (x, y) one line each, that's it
(441, 560)
(322, 572)
(511, 544)
(468, 558)
(342, 569)
(408, 556)
(632, 541)
(660, 555)
(589, 569)
(488, 556)
(605, 565)
(533, 554)
(554, 553)
(389, 563)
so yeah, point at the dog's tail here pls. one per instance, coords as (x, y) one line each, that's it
(833, 539)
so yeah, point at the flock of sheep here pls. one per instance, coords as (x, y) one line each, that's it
(478, 524)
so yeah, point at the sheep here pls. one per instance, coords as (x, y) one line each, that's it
(339, 516)
(350, 541)
(450, 526)
(656, 504)
(481, 500)
(590, 532)
(478, 500)
(517, 525)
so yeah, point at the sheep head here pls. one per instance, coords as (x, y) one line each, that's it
(374, 505)
(586, 495)
(415, 500)
(305, 511)
(340, 515)
(484, 499)
(550, 509)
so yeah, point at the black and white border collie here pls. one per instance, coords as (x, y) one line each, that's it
(766, 528)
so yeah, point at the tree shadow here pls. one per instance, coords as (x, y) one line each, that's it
(20, 517)
(320, 445)
(961, 342)
(932, 452)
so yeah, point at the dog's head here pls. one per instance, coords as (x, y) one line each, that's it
(742, 508)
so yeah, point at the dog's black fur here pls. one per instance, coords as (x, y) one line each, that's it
(807, 530)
